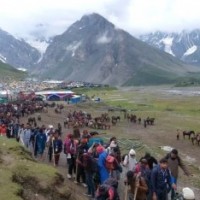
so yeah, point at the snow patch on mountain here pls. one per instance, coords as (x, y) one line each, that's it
(2, 58)
(104, 39)
(22, 69)
(168, 42)
(191, 50)
(73, 47)
(41, 46)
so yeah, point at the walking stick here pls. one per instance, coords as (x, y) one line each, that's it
(126, 192)
(53, 153)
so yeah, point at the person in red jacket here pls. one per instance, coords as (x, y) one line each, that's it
(3, 130)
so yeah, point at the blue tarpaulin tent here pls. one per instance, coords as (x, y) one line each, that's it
(75, 99)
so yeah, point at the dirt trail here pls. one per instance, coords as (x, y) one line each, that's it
(152, 137)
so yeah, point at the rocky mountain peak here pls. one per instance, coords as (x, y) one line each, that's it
(184, 45)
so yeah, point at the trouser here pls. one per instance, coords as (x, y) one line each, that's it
(80, 174)
(50, 152)
(26, 143)
(71, 165)
(162, 195)
(56, 157)
(90, 183)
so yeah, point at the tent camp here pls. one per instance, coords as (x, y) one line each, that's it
(53, 95)
(75, 99)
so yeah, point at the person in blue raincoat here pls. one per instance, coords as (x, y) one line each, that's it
(104, 173)
(40, 143)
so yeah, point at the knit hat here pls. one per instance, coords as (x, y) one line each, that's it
(188, 194)
(132, 152)
(100, 149)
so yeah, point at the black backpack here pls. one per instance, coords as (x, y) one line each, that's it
(94, 164)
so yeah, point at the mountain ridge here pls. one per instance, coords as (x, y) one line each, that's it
(95, 50)
(17, 52)
(184, 45)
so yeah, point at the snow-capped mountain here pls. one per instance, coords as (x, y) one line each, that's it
(184, 45)
(17, 52)
(92, 49)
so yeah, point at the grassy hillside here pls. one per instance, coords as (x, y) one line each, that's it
(7, 71)
(22, 178)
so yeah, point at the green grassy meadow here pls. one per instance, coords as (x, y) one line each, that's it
(171, 111)
(9, 72)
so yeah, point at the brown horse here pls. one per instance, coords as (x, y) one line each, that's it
(188, 133)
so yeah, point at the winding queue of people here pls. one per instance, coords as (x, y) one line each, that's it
(97, 165)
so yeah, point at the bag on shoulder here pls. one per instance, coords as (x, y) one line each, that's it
(72, 148)
(90, 163)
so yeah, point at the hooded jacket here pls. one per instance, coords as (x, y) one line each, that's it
(130, 161)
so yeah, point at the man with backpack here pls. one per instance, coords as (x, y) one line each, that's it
(70, 148)
(81, 149)
(174, 162)
(161, 181)
(143, 169)
(90, 167)
(138, 186)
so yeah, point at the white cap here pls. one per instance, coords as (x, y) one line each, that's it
(113, 144)
(50, 126)
(188, 194)
(132, 152)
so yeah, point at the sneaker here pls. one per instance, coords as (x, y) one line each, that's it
(84, 185)
(88, 195)
(76, 182)
(69, 176)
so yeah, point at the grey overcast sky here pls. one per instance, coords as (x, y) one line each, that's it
(50, 17)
